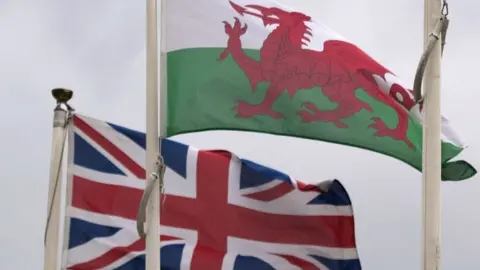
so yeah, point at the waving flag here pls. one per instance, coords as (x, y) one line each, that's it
(264, 66)
(218, 211)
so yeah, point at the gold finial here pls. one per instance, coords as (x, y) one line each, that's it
(62, 95)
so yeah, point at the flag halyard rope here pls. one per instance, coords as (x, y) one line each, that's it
(151, 181)
(68, 119)
(439, 33)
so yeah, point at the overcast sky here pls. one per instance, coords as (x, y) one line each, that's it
(97, 49)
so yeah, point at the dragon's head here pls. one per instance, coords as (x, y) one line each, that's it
(272, 16)
(293, 21)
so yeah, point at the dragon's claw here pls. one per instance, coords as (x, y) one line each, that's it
(244, 29)
(234, 32)
(306, 116)
(310, 106)
(383, 130)
(247, 110)
(311, 113)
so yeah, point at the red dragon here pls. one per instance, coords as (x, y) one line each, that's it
(340, 69)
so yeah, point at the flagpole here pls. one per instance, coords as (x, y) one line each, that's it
(52, 230)
(431, 178)
(152, 247)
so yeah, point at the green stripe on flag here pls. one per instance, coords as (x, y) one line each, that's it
(203, 92)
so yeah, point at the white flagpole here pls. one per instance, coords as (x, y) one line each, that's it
(163, 70)
(431, 144)
(52, 231)
(152, 247)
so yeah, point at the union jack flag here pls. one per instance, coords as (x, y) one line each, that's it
(218, 211)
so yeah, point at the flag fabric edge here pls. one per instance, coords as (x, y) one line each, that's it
(451, 170)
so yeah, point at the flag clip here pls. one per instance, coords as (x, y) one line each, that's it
(157, 175)
(160, 175)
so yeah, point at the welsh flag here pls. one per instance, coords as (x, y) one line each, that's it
(254, 65)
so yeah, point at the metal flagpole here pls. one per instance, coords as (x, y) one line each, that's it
(431, 178)
(61, 115)
(152, 247)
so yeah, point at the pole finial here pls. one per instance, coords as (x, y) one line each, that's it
(62, 95)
